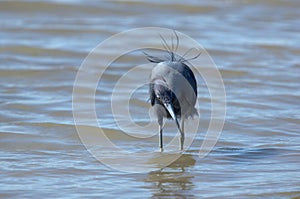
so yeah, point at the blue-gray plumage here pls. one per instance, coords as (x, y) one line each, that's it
(173, 90)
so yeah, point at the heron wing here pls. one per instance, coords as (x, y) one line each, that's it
(190, 77)
(152, 94)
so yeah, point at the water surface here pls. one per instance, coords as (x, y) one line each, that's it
(255, 46)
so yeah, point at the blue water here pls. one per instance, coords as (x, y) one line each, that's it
(255, 46)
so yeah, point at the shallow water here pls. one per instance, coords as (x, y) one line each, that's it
(256, 48)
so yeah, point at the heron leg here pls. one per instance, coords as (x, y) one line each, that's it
(160, 122)
(160, 138)
(182, 134)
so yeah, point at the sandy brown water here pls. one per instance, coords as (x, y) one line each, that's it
(255, 46)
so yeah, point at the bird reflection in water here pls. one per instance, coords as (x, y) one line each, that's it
(173, 180)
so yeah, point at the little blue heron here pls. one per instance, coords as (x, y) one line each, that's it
(172, 89)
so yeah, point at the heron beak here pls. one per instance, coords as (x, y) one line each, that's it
(171, 111)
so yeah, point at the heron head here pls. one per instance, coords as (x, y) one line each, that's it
(165, 97)
(162, 93)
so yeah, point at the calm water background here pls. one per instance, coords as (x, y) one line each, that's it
(255, 46)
